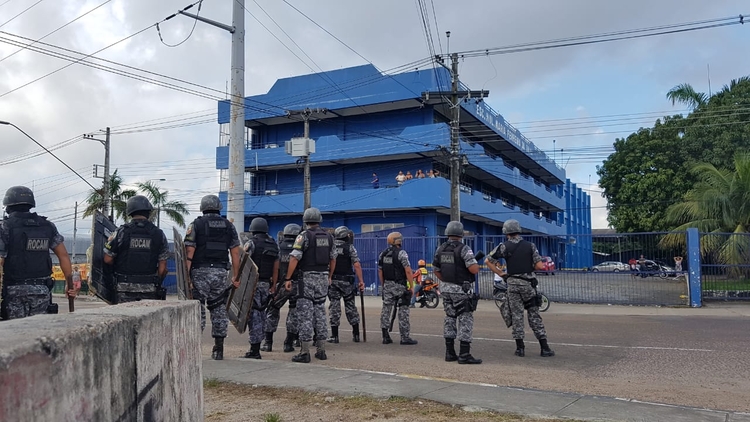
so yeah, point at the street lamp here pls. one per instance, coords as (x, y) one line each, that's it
(48, 151)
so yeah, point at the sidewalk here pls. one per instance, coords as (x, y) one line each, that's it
(532, 403)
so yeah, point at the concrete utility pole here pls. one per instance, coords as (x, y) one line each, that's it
(236, 190)
(454, 98)
(306, 113)
(75, 231)
(106, 194)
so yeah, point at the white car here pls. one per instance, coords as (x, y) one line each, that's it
(611, 266)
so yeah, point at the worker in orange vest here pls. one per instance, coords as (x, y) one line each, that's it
(418, 276)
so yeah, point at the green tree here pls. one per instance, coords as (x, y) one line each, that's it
(175, 210)
(651, 168)
(718, 203)
(119, 196)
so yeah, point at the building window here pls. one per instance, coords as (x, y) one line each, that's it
(367, 228)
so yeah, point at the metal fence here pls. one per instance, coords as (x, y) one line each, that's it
(725, 266)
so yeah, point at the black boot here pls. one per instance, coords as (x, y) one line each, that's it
(321, 352)
(386, 337)
(520, 348)
(408, 341)
(268, 344)
(218, 352)
(546, 351)
(254, 352)
(304, 353)
(296, 341)
(464, 357)
(334, 334)
(288, 347)
(450, 350)
(355, 333)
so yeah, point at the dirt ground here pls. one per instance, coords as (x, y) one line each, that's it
(225, 402)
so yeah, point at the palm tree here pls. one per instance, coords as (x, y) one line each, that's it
(718, 205)
(685, 94)
(118, 196)
(175, 210)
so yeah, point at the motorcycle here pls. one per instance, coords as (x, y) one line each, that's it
(429, 296)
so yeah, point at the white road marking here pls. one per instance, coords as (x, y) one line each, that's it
(604, 346)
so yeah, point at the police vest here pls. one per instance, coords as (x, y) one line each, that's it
(285, 252)
(213, 237)
(452, 266)
(138, 251)
(317, 257)
(344, 259)
(393, 269)
(264, 255)
(519, 257)
(28, 251)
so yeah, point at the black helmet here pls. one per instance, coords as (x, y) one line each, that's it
(259, 224)
(454, 228)
(19, 195)
(292, 230)
(138, 203)
(342, 233)
(210, 203)
(312, 215)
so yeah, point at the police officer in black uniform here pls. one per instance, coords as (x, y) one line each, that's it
(139, 252)
(273, 314)
(25, 241)
(264, 252)
(456, 266)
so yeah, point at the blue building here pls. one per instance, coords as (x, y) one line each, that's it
(379, 124)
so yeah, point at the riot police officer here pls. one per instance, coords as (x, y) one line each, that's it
(342, 286)
(264, 252)
(395, 276)
(316, 257)
(521, 258)
(139, 252)
(207, 241)
(25, 241)
(273, 314)
(456, 266)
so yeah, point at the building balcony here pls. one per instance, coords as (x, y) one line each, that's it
(413, 195)
(413, 142)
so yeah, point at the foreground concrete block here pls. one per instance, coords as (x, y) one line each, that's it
(132, 362)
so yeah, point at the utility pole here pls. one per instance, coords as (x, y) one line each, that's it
(106, 194)
(75, 231)
(304, 147)
(236, 190)
(454, 98)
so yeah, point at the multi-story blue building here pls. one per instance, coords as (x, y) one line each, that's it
(379, 125)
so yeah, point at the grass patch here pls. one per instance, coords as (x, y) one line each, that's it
(726, 284)
(211, 383)
(277, 404)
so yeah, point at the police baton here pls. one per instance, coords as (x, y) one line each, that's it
(362, 305)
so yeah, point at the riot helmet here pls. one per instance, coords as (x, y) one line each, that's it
(312, 216)
(454, 228)
(210, 203)
(511, 227)
(395, 238)
(342, 233)
(292, 230)
(138, 203)
(259, 225)
(19, 195)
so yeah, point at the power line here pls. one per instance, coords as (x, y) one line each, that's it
(22, 12)
(52, 32)
(158, 30)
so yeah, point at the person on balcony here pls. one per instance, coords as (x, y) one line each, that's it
(375, 181)
(409, 175)
(400, 178)
(420, 174)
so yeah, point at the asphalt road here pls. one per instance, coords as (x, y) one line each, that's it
(693, 357)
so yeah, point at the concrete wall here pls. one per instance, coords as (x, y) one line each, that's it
(131, 362)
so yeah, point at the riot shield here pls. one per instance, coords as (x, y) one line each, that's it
(102, 275)
(184, 286)
(240, 303)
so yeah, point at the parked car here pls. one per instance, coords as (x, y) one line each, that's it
(656, 268)
(549, 266)
(611, 266)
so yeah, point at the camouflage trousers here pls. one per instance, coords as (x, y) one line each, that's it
(456, 325)
(256, 323)
(336, 291)
(211, 287)
(273, 315)
(393, 294)
(520, 292)
(21, 301)
(311, 306)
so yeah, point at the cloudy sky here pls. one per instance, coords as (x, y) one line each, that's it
(572, 102)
